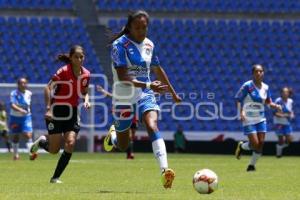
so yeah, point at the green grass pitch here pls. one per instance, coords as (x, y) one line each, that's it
(111, 176)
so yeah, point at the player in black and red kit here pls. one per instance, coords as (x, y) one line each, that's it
(68, 85)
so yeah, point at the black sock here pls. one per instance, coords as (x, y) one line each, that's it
(8, 146)
(130, 148)
(62, 164)
(44, 144)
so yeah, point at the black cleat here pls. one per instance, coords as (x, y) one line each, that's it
(251, 168)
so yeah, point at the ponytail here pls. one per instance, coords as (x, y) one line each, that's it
(64, 58)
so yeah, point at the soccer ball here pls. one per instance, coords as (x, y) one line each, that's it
(205, 181)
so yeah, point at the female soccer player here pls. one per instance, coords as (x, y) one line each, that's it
(68, 85)
(251, 98)
(282, 120)
(3, 126)
(133, 57)
(132, 130)
(20, 116)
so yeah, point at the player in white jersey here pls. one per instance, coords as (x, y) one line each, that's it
(20, 116)
(251, 100)
(134, 56)
(282, 120)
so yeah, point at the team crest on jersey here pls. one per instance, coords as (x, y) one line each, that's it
(50, 126)
(148, 51)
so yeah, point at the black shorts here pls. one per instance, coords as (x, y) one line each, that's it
(60, 125)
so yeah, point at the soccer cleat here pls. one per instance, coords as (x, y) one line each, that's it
(167, 178)
(130, 156)
(34, 149)
(108, 146)
(16, 157)
(251, 168)
(238, 150)
(55, 180)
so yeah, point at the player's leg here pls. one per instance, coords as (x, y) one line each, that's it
(27, 131)
(15, 145)
(245, 146)
(129, 151)
(69, 144)
(6, 139)
(51, 142)
(279, 145)
(118, 135)
(257, 142)
(150, 118)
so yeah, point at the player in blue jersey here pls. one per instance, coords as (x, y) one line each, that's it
(282, 120)
(20, 116)
(133, 57)
(251, 100)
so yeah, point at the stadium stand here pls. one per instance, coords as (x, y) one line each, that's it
(258, 6)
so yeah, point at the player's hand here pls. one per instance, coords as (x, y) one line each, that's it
(99, 88)
(159, 87)
(242, 116)
(278, 107)
(48, 115)
(177, 99)
(87, 105)
(23, 111)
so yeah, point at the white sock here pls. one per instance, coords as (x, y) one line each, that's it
(160, 153)
(246, 146)
(254, 158)
(113, 138)
(28, 144)
(278, 150)
(15, 147)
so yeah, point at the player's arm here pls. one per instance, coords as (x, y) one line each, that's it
(103, 91)
(18, 108)
(162, 76)
(86, 98)
(281, 114)
(271, 104)
(47, 97)
(14, 106)
(123, 76)
(239, 97)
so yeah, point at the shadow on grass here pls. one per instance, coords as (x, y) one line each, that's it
(119, 192)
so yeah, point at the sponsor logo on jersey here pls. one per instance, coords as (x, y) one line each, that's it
(50, 126)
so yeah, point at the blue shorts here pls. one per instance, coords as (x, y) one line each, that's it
(260, 127)
(124, 114)
(20, 124)
(281, 129)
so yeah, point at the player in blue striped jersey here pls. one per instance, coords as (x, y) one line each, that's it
(282, 120)
(134, 56)
(251, 100)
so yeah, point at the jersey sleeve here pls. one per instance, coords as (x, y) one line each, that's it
(59, 75)
(13, 98)
(118, 55)
(242, 93)
(154, 59)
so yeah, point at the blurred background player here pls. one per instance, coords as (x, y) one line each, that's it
(20, 121)
(179, 140)
(3, 126)
(251, 99)
(61, 115)
(133, 127)
(282, 120)
(133, 57)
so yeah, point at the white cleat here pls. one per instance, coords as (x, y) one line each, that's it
(55, 180)
(35, 147)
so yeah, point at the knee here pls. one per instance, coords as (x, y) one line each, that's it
(152, 128)
(54, 150)
(69, 145)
